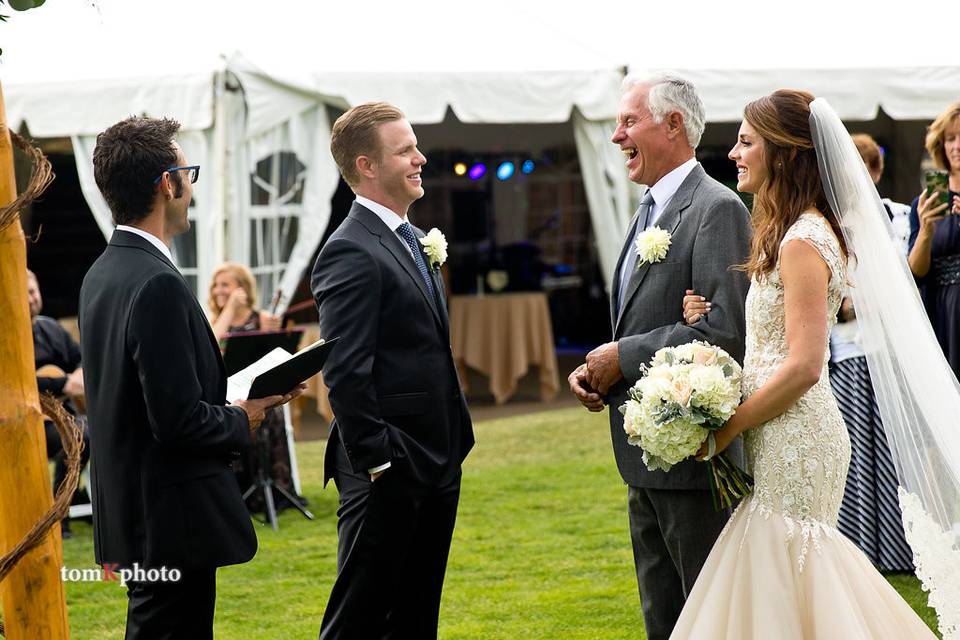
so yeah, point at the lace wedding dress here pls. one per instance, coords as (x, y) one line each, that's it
(781, 569)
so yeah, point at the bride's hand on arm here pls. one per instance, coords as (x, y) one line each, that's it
(723, 438)
(805, 277)
(694, 307)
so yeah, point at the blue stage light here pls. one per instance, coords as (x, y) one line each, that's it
(477, 171)
(505, 170)
(527, 166)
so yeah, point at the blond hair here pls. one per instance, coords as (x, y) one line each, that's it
(356, 134)
(937, 133)
(244, 278)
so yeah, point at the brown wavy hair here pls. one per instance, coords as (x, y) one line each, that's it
(793, 184)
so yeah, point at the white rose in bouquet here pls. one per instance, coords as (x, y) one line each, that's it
(685, 393)
(703, 355)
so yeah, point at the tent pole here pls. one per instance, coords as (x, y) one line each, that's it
(34, 605)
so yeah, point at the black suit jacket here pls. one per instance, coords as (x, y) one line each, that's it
(393, 386)
(161, 437)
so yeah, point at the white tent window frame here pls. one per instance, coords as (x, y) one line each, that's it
(187, 263)
(274, 226)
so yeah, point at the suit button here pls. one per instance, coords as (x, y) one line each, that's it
(456, 394)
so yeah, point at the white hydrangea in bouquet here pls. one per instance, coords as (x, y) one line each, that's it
(683, 395)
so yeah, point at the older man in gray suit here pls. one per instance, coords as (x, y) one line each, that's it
(673, 524)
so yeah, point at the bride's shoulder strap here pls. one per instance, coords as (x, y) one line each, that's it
(814, 229)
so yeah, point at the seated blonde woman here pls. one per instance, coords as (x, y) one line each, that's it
(232, 304)
(233, 301)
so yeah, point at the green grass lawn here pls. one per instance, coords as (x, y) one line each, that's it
(541, 548)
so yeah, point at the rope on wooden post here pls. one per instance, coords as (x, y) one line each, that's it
(41, 175)
(72, 438)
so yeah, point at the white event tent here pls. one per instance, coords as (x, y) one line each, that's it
(864, 57)
(253, 85)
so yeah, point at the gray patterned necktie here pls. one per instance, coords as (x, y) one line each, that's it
(406, 232)
(626, 270)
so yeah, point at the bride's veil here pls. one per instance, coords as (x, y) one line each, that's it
(917, 392)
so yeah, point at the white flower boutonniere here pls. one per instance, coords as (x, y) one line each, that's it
(652, 245)
(435, 246)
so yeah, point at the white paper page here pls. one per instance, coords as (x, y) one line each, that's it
(238, 385)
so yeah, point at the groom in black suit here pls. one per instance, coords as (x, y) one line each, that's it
(164, 495)
(402, 428)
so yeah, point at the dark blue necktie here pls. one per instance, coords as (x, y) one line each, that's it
(406, 232)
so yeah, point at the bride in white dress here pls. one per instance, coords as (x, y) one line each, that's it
(780, 568)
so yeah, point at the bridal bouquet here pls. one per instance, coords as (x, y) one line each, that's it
(685, 393)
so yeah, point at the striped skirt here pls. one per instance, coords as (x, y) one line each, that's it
(870, 512)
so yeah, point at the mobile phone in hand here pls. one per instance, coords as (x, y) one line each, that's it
(937, 181)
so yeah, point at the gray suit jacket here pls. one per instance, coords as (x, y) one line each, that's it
(710, 229)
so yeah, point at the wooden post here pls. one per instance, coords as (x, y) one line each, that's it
(34, 605)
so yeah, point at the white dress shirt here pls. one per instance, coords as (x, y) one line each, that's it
(390, 218)
(149, 237)
(666, 187)
(662, 192)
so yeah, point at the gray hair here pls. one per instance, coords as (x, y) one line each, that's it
(669, 93)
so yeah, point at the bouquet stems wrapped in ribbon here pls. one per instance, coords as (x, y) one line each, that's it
(684, 394)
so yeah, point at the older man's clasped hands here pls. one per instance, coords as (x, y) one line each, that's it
(591, 381)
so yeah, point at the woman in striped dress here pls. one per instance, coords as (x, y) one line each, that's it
(870, 512)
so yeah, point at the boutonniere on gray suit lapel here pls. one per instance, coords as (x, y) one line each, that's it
(651, 245)
(435, 246)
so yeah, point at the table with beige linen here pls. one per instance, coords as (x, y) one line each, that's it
(502, 336)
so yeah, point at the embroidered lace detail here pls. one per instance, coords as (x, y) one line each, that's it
(936, 557)
(799, 459)
(809, 532)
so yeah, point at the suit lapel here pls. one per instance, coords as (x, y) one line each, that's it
(441, 297)
(396, 248)
(437, 278)
(627, 245)
(122, 238)
(669, 220)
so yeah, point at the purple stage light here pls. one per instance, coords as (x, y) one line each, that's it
(477, 171)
